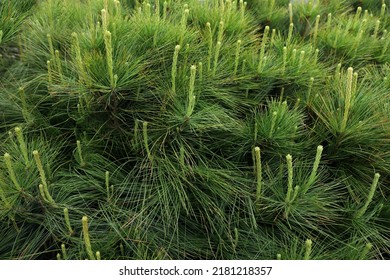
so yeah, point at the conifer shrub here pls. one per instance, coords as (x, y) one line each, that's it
(194, 129)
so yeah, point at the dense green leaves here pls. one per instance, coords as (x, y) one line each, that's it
(195, 130)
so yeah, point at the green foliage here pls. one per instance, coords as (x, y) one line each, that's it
(194, 130)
